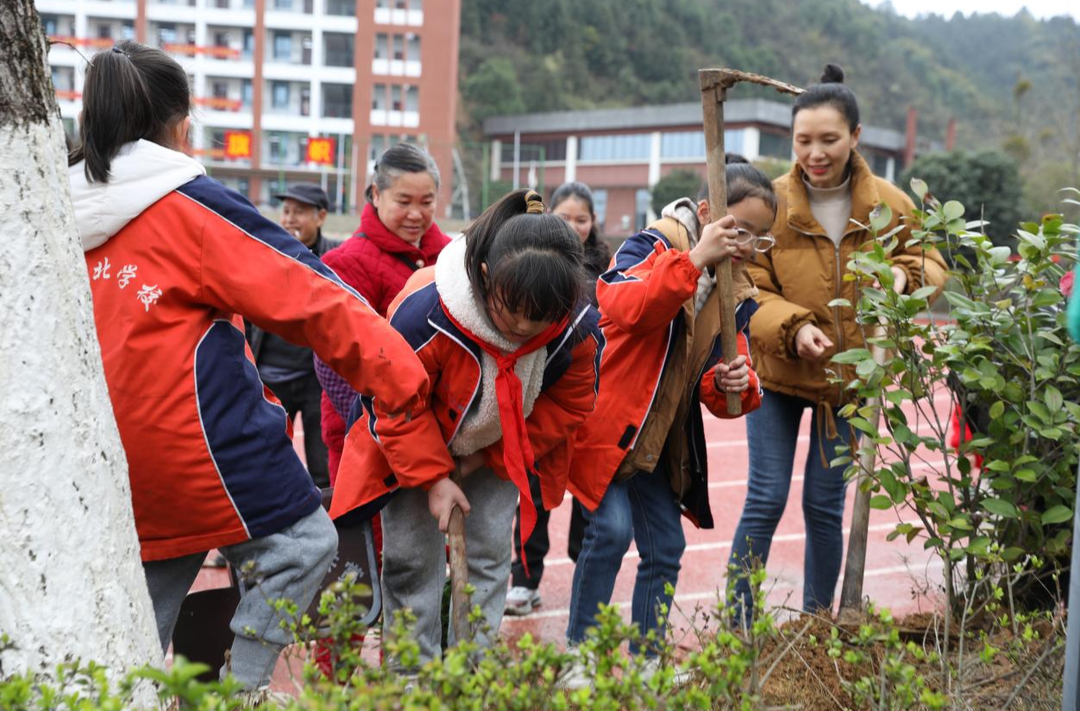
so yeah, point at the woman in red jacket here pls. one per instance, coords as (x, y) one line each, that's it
(176, 261)
(510, 341)
(396, 237)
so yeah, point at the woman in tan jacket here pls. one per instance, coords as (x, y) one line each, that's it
(795, 333)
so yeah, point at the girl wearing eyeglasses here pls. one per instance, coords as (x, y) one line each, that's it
(824, 200)
(641, 459)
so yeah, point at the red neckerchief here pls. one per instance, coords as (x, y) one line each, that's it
(518, 455)
(373, 228)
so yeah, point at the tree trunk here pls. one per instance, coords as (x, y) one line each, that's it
(71, 584)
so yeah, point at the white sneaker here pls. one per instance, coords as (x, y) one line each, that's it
(575, 677)
(263, 698)
(652, 665)
(521, 601)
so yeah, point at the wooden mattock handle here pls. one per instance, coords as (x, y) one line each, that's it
(459, 570)
(713, 94)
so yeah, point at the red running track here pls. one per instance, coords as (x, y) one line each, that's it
(902, 577)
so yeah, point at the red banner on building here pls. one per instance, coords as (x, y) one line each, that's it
(321, 150)
(238, 144)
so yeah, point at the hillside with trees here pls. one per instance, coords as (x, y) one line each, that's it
(1012, 83)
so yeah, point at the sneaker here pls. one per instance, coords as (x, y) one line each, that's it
(652, 666)
(576, 676)
(263, 698)
(522, 601)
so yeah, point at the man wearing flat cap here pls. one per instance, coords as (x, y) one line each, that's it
(287, 369)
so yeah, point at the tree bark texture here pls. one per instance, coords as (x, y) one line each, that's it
(71, 582)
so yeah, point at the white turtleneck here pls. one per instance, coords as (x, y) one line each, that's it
(831, 207)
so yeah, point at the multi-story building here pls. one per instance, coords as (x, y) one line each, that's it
(622, 153)
(269, 76)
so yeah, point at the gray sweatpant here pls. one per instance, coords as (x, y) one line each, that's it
(287, 565)
(414, 558)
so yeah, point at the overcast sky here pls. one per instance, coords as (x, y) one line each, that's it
(1038, 8)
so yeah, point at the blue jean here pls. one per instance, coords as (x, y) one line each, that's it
(772, 432)
(641, 509)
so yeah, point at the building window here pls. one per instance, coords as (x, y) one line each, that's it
(247, 93)
(414, 47)
(378, 97)
(221, 39)
(399, 47)
(375, 148)
(286, 5)
(691, 144)
(382, 4)
(166, 35)
(382, 46)
(280, 93)
(50, 23)
(624, 147)
(127, 31)
(219, 90)
(305, 100)
(412, 99)
(339, 49)
(775, 145)
(401, 4)
(249, 44)
(282, 46)
(342, 8)
(337, 100)
(599, 197)
(395, 98)
(641, 208)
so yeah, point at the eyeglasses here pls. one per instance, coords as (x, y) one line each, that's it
(762, 243)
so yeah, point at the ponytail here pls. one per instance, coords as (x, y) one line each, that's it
(534, 260)
(131, 92)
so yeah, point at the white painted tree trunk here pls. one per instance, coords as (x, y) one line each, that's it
(71, 584)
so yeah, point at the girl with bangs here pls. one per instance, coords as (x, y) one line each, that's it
(503, 325)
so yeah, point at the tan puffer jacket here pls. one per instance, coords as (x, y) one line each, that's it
(804, 271)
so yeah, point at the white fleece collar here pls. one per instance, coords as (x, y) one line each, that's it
(685, 212)
(141, 174)
(481, 426)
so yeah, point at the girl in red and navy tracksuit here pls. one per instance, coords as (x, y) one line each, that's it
(176, 261)
(510, 343)
(640, 462)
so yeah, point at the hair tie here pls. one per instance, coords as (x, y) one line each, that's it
(118, 50)
(534, 204)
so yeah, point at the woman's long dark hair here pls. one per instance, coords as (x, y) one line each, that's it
(131, 92)
(597, 254)
(534, 260)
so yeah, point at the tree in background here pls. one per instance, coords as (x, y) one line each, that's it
(674, 185)
(72, 586)
(986, 183)
(493, 90)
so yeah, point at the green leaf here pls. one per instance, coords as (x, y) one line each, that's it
(1057, 514)
(863, 426)
(919, 187)
(1027, 475)
(881, 216)
(924, 292)
(1000, 507)
(881, 502)
(997, 410)
(843, 303)
(1053, 398)
(854, 355)
(953, 210)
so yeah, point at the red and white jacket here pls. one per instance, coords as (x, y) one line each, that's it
(642, 316)
(175, 260)
(559, 385)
